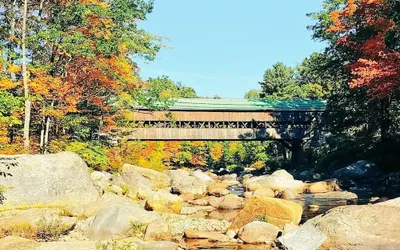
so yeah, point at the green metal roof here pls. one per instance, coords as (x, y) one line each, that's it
(198, 104)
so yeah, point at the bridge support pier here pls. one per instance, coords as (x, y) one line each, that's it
(297, 152)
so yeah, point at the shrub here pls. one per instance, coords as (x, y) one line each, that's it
(44, 230)
(50, 230)
(115, 245)
(137, 229)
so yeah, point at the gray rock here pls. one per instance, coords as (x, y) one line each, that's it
(158, 230)
(52, 178)
(139, 186)
(392, 203)
(69, 245)
(359, 227)
(98, 176)
(203, 176)
(164, 201)
(257, 232)
(157, 179)
(357, 171)
(283, 174)
(116, 221)
(17, 243)
(276, 183)
(331, 198)
(304, 238)
(116, 189)
(228, 202)
(212, 236)
(158, 245)
(106, 200)
(183, 183)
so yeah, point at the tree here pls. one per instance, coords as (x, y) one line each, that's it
(76, 58)
(159, 93)
(252, 94)
(27, 111)
(276, 79)
(359, 119)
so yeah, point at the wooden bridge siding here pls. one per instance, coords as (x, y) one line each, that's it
(172, 134)
(202, 116)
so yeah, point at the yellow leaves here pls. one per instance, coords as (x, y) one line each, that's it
(217, 152)
(53, 113)
(165, 94)
(14, 68)
(6, 84)
(95, 2)
(98, 26)
(45, 85)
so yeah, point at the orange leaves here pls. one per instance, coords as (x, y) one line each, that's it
(380, 75)
(351, 7)
(337, 25)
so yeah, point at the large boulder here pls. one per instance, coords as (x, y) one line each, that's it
(116, 221)
(184, 183)
(276, 183)
(164, 201)
(264, 192)
(35, 219)
(203, 176)
(392, 203)
(323, 186)
(53, 178)
(359, 227)
(228, 202)
(357, 171)
(72, 245)
(157, 245)
(157, 179)
(275, 211)
(213, 236)
(283, 174)
(330, 198)
(105, 201)
(257, 232)
(158, 230)
(304, 238)
(17, 243)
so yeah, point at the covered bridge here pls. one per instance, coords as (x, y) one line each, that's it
(227, 120)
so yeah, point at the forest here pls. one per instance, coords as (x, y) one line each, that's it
(68, 76)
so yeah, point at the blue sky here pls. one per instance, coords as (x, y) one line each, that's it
(224, 46)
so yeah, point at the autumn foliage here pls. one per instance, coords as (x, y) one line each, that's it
(79, 70)
(363, 27)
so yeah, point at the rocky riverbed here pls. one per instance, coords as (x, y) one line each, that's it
(53, 202)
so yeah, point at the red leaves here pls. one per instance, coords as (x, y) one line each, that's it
(377, 67)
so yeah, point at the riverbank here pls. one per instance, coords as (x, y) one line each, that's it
(54, 202)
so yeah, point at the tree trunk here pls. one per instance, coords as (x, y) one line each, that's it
(46, 136)
(27, 115)
(48, 125)
(42, 135)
